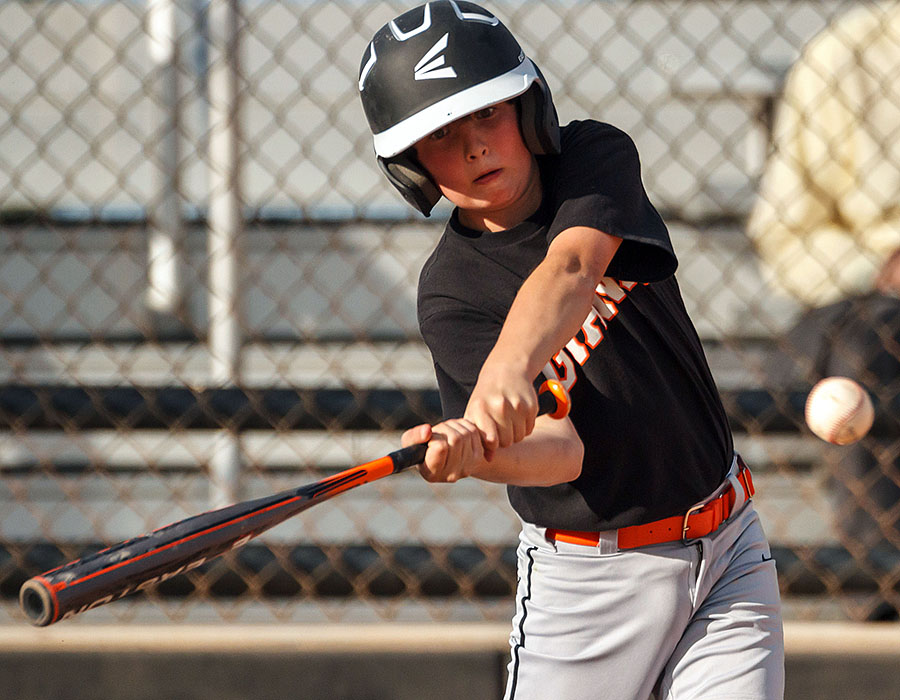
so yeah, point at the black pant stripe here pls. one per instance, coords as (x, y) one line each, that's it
(521, 643)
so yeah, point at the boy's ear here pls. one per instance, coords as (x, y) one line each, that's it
(406, 174)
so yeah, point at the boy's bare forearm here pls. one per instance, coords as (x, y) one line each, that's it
(549, 309)
(551, 455)
(553, 302)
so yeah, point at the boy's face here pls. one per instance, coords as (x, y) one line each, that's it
(482, 165)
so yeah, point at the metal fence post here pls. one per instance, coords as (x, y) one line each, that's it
(225, 229)
(165, 291)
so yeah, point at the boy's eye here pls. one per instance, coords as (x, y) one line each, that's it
(485, 113)
(438, 134)
(444, 131)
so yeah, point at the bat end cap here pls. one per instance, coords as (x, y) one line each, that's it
(36, 602)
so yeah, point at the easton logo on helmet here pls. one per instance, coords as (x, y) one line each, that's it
(430, 71)
(429, 66)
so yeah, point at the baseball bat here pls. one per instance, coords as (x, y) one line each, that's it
(173, 549)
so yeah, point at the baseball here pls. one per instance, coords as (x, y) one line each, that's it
(839, 410)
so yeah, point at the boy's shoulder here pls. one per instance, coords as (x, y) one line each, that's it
(453, 280)
(431, 268)
(440, 276)
(588, 143)
(580, 131)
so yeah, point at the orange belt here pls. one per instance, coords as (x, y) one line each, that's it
(699, 521)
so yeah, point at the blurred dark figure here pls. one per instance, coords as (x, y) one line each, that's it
(859, 337)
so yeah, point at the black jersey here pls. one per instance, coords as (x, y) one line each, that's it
(644, 402)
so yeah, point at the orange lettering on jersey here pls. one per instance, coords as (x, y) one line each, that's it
(591, 329)
(608, 287)
(562, 361)
(609, 293)
(606, 308)
(578, 351)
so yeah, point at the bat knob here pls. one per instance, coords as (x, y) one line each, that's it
(36, 602)
(557, 399)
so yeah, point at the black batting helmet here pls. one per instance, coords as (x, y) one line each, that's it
(434, 64)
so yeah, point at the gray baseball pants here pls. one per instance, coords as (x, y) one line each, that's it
(673, 621)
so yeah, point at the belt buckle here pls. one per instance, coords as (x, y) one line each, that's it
(685, 526)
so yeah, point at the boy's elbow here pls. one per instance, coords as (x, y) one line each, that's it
(583, 253)
(578, 270)
(577, 460)
(570, 462)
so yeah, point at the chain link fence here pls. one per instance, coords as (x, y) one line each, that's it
(207, 289)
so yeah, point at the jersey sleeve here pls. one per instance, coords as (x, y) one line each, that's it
(596, 182)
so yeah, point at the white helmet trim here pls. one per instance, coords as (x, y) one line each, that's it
(402, 135)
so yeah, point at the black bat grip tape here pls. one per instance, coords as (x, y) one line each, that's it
(553, 400)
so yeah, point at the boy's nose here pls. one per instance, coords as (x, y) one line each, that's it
(477, 152)
(474, 143)
(475, 149)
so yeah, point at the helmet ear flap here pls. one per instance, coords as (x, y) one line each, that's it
(411, 180)
(539, 121)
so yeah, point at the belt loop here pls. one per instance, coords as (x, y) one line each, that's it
(740, 494)
(748, 480)
(609, 542)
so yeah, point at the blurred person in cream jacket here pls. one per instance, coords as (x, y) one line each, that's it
(828, 211)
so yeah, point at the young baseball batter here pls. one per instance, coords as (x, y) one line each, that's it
(642, 565)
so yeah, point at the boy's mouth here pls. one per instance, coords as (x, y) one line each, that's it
(487, 177)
